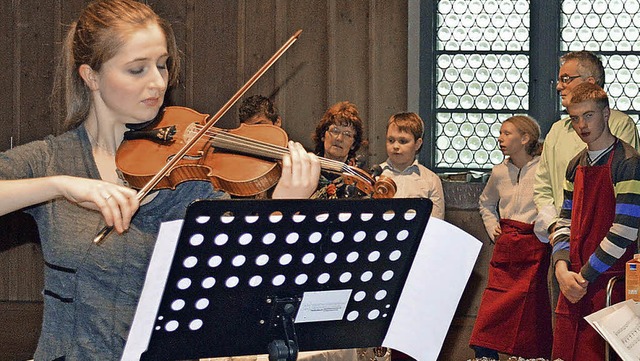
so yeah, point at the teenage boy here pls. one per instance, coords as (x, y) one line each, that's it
(598, 225)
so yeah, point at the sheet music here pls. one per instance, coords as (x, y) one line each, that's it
(619, 325)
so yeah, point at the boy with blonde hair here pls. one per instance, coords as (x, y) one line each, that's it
(413, 180)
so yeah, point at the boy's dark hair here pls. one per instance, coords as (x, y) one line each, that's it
(257, 104)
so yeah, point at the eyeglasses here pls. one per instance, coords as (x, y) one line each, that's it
(334, 131)
(566, 79)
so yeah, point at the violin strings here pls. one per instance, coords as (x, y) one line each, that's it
(243, 144)
(240, 143)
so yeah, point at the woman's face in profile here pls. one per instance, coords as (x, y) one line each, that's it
(338, 141)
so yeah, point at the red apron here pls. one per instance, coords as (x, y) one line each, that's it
(514, 315)
(592, 215)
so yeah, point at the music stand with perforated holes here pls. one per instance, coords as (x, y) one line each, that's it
(253, 277)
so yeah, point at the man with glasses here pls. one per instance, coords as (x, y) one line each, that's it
(562, 144)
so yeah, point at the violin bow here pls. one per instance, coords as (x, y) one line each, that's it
(106, 230)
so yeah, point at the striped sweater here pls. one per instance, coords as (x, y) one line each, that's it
(625, 171)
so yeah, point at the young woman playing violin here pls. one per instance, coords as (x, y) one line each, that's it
(119, 58)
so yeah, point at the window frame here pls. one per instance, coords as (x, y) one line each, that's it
(544, 52)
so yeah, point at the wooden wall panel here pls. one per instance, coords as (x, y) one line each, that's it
(213, 62)
(388, 70)
(65, 13)
(7, 56)
(19, 336)
(348, 45)
(35, 39)
(22, 274)
(258, 40)
(303, 72)
(348, 73)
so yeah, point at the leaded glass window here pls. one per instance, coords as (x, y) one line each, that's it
(610, 29)
(483, 58)
(482, 76)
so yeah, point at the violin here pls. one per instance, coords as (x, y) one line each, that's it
(241, 161)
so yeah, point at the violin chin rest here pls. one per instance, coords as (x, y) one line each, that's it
(159, 135)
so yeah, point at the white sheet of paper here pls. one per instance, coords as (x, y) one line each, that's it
(149, 302)
(439, 274)
(323, 306)
(619, 325)
(598, 315)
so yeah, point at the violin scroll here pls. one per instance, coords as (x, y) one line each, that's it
(378, 187)
(384, 187)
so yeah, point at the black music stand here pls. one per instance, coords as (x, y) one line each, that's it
(277, 276)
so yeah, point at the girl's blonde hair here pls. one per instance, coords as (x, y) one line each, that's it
(527, 125)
